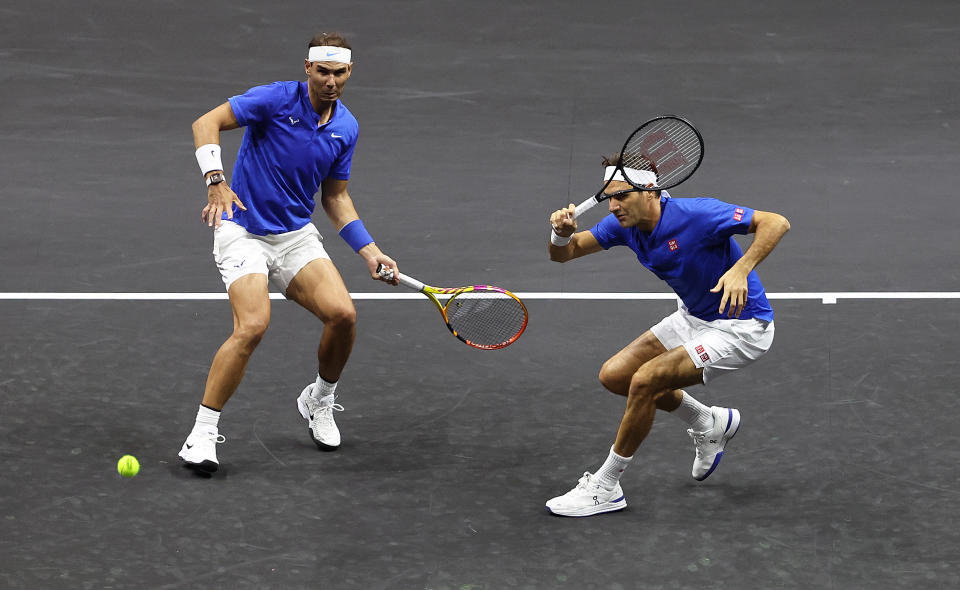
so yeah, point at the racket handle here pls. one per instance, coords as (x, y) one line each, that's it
(404, 279)
(585, 206)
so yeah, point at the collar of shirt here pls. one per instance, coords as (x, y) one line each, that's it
(308, 111)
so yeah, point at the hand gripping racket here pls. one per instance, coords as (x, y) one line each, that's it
(660, 154)
(482, 316)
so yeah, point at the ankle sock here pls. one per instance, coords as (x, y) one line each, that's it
(208, 419)
(609, 473)
(694, 413)
(324, 388)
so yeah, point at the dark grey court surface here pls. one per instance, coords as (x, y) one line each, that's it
(477, 120)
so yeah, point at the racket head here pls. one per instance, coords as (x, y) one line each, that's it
(660, 154)
(485, 316)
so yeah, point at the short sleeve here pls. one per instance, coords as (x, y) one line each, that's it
(722, 220)
(257, 104)
(341, 166)
(608, 232)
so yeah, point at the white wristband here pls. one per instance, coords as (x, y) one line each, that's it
(208, 156)
(559, 240)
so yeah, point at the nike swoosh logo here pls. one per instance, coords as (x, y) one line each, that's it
(335, 136)
(189, 446)
(329, 53)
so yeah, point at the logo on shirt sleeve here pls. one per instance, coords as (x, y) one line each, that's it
(674, 246)
(738, 214)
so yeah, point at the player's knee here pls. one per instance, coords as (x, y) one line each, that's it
(644, 383)
(611, 377)
(250, 331)
(343, 318)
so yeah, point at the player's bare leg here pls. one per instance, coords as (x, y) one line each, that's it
(618, 371)
(660, 376)
(319, 288)
(250, 302)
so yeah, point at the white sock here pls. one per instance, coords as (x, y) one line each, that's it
(609, 473)
(697, 415)
(324, 388)
(207, 419)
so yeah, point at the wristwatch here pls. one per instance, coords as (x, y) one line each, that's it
(216, 178)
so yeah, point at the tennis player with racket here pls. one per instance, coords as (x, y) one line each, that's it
(724, 321)
(299, 141)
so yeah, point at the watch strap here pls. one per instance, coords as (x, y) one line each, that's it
(216, 178)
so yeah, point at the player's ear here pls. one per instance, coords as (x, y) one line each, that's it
(349, 70)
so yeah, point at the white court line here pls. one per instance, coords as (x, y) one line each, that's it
(826, 297)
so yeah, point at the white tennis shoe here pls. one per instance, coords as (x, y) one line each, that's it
(319, 416)
(199, 451)
(588, 498)
(709, 444)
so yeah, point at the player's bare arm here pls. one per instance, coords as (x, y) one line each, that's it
(768, 228)
(564, 225)
(340, 210)
(206, 131)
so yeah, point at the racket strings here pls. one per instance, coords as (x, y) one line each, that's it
(668, 147)
(486, 318)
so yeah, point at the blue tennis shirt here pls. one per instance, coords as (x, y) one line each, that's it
(285, 155)
(690, 248)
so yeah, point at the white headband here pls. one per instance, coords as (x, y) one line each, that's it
(329, 53)
(637, 177)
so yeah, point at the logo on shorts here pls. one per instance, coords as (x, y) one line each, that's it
(738, 214)
(703, 354)
(674, 246)
(294, 121)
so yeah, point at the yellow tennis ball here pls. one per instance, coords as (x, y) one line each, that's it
(128, 466)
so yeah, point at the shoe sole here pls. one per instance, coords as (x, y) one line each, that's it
(618, 504)
(733, 426)
(320, 445)
(203, 467)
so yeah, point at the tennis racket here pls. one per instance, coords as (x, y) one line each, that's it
(482, 316)
(660, 154)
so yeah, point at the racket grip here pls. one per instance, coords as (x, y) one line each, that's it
(584, 207)
(384, 272)
(405, 280)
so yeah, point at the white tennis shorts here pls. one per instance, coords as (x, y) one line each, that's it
(238, 252)
(717, 346)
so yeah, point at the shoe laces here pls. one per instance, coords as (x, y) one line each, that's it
(698, 438)
(585, 481)
(325, 411)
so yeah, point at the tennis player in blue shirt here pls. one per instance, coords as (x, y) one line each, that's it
(724, 321)
(299, 140)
